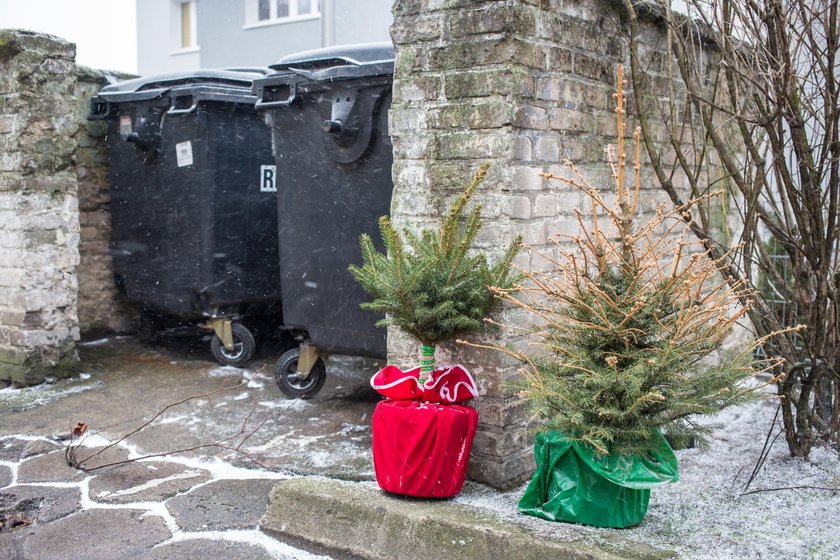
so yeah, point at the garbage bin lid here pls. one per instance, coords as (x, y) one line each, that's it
(341, 55)
(148, 87)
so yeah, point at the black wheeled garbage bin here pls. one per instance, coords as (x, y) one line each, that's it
(328, 110)
(193, 201)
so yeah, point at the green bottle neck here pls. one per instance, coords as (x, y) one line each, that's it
(427, 360)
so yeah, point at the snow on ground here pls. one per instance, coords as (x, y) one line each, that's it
(707, 512)
(705, 516)
(25, 398)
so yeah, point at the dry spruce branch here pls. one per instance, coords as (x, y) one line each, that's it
(625, 319)
(753, 109)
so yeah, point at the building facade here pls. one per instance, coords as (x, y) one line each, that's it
(176, 35)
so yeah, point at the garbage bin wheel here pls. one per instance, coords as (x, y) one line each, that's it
(286, 376)
(147, 330)
(243, 347)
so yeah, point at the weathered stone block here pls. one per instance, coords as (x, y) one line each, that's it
(569, 120)
(502, 473)
(472, 145)
(500, 442)
(420, 89)
(520, 207)
(495, 113)
(522, 148)
(545, 205)
(535, 118)
(528, 179)
(534, 233)
(493, 18)
(594, 68)
(413, 146)
(427, 27)
(487, 50)
(559, 59)
(547, 149)
(448, 176)
(14, 355)
(503, 81)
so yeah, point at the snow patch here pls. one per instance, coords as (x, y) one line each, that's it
(97, 342)
(279, 550)
(704, 515)
(154, 483)
(13, 467)
(225, 371)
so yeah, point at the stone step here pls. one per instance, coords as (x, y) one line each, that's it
(358, 520)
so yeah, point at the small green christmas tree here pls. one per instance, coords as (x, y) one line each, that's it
(627, 317)
(431, 285)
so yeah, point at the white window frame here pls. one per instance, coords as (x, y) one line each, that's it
(252, 8)
(176, 7)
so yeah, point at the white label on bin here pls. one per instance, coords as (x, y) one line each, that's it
(268, 178)
(125, 125)
(183, 152)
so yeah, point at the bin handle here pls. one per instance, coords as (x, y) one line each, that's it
(272, 104)
(284, 103)
(173, 111)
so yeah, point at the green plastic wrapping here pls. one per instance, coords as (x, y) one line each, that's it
(573, 483)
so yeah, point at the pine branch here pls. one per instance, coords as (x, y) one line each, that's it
(430, 284)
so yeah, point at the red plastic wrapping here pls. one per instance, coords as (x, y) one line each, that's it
(422, 449)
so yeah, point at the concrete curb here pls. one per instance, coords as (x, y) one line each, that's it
(360, 521)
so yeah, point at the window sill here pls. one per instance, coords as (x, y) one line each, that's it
(189, 50)
(280, 21)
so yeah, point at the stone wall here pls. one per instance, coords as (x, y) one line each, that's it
(39, 221)
(101, 308)
(55, 268)
(526, 85)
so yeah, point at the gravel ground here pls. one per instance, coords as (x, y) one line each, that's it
(706, 516)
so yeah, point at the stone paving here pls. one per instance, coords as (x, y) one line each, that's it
(204, 503)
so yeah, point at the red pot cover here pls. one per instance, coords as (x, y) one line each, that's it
(422, 449)
(451, 384)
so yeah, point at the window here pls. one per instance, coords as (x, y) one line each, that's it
(262, 12)
(184, 32)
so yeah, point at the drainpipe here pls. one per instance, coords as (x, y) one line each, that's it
(327, 23)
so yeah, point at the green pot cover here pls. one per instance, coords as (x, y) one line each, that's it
(573, 483)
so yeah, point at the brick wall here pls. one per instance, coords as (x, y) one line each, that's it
(525, 84)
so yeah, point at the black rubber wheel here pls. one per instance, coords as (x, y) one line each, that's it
(243, 347)
(285, 374)
(147, 327)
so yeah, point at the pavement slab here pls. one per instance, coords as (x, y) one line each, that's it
(51, 467)
(146, 481)
(11, 449)
(42, 504)
(222, 505)
(207, 549)
(11, 546)
(97, 534)
(37, 447)
(169, 438)
(98, 458)
(359, 520)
